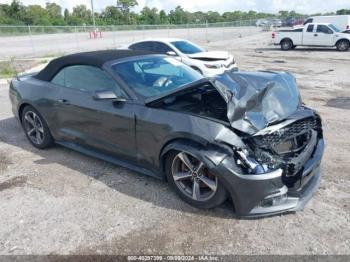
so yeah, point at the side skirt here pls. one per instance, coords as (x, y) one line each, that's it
(110, 159)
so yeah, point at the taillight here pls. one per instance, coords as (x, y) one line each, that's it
(273, 35)
(348, 26)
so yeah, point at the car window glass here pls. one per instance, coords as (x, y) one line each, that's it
(323, 29)
(161, 48)
(59, 78)
(310, 20)
(335, 29)
(154, 76)
(186, 47)
(86, 78)
(142, 46)
(164, 69)
(310, 28)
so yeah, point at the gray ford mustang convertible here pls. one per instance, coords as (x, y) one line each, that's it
(243, 136)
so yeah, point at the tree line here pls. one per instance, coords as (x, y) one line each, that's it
(121, 14)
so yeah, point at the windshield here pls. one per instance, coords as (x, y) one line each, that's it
(154, 76)
(335, 29)
(186, 47)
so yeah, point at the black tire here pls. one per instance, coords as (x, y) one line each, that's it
(32, 120)
(215, 198)
(286, 44)
(343, 45)
(294, 46)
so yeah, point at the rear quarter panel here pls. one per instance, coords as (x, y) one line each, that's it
(296, 37)
(41, 95)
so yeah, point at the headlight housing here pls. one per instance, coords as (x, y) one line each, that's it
(213, 66)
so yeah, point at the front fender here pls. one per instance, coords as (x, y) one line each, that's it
(211, 155)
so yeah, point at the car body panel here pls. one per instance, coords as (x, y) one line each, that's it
(138, 133)
(314, 38)
(220, 61)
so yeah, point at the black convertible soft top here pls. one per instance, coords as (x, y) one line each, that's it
(94, 58)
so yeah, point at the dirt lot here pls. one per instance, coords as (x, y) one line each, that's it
(61, 202)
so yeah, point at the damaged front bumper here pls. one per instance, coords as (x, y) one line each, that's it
(266, 194)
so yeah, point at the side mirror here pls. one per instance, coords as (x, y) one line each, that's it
(171, 53)
(107, 95)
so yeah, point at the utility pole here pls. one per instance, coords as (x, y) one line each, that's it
(93, 14)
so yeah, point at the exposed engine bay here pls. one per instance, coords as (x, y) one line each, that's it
(287, 148)
(203, 101)
(277, 134)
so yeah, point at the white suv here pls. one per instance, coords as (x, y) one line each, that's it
(208, 63)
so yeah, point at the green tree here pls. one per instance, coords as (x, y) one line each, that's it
(36, 15)
(81, 15)
(66, 15)
(149, 16)
(54, 10)
(125, 6)
(343, 12)
(283, 13)
(112, 15)
(213, 17)
(178, 16)
(163, 18)
(55, 14)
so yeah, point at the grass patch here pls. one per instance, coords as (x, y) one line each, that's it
(7, 70)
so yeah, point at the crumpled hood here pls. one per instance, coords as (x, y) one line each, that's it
(220, 55)
(257, 99)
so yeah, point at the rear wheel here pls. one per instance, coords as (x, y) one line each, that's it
(192, 181)
(286, 44)
(343, 45)
(36, 128)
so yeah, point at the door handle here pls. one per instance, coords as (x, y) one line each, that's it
(315, 34)
(63, 101)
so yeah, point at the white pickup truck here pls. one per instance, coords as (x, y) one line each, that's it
(314, 34)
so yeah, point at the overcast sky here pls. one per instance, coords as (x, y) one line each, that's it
(272, 6)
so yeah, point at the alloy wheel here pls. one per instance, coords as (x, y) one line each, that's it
(34, 127)
(286, 45)
(343, 46)
(192, 177)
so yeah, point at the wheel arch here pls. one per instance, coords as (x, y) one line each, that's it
(21, 108)
(342, 39)
(286, 38)
(25, 104)
(210, 154)
(178, 144)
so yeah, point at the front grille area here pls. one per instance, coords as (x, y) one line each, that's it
(293, 130)
(288, 148)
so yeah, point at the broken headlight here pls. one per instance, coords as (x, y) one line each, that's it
(250, 163)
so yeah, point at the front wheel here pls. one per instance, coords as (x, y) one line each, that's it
(192, 181)
(286, 44)
(343, 45)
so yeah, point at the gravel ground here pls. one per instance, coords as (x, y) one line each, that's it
(58, 201)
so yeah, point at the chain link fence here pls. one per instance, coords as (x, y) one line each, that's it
(40, 41)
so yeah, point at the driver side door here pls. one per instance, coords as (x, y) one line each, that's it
(323, 36)
(99, 124)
